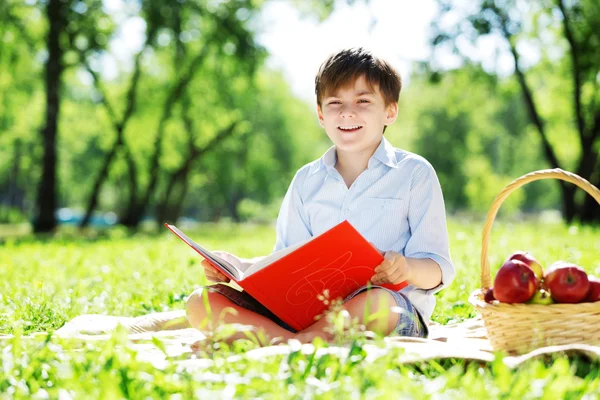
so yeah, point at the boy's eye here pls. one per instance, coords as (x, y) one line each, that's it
(334, 102)
(364, 101)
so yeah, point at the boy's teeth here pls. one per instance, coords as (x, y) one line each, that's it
(350, 127)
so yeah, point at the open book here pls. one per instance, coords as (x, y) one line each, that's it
(291, 282)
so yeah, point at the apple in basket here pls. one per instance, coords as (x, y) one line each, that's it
(567, 282)
(515, 282)
(489, 296)
(593, 293)
(530, 261)
(541, 296)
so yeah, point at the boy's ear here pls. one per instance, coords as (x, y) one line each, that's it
(320, 115)
(392, 113)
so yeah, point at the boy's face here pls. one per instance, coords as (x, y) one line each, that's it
(355, 115)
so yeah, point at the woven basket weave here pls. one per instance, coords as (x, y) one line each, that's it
(520, 328)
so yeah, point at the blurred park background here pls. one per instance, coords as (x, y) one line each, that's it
(139, 112)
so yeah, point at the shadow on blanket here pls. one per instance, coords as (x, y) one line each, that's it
(465, 340)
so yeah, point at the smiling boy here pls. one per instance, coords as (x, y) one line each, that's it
(391, 196)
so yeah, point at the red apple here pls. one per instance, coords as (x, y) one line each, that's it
(515, 282)
(489, 296)
(530, 261)
(567, 282)
(593, 293)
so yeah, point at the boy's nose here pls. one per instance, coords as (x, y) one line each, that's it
(347, 111)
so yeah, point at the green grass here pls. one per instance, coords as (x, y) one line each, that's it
(45, 282)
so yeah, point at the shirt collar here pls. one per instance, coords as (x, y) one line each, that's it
(384, 153)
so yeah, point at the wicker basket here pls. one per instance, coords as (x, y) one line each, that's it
(520, 328)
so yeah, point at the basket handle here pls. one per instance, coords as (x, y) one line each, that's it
(508, 189)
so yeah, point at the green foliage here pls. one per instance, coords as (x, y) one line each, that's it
(478, 122)
(280, 135)
(11, 215)
(253, 211)
(217, 39)
(21, 99)
(474, 114)
(554, 50)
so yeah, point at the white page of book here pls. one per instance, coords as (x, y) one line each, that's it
(226, 265)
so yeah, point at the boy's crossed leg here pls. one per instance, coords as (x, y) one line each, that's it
(197, 313)
(372, 308)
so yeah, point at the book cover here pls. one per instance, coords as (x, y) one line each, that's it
(337, 262)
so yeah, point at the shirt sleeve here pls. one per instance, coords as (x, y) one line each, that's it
(292, 222)
(427, 221)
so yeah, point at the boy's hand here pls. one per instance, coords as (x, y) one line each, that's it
(393, 270)
(212, 273)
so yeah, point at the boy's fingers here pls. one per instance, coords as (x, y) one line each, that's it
(391, 256)
(214, 274)
(210, 273)
(377, 279)
(396, 277)
(384, 266)
(217, 278)
(209, 267)
(381, 277)
(222, 276)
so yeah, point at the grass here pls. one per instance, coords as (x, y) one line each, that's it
(45, 282)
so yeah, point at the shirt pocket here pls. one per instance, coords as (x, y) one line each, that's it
(383, 204)
(387, 221)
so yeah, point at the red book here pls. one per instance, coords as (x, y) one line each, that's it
(288, 282)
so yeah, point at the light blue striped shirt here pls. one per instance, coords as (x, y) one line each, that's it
(396, 204)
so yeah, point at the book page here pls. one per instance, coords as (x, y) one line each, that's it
(220, 261)
(272, 258)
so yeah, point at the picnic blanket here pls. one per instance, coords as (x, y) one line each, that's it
(460, 340)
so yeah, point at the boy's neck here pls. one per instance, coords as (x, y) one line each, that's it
(351, 165)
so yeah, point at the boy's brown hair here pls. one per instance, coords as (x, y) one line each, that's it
(346, 66)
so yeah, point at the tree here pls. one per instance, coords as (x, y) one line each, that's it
(557, 27)
(56, 12)
(226, 37)
(475, 118)
(84, 157)
(66, 21)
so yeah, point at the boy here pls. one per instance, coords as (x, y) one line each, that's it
(392, 197)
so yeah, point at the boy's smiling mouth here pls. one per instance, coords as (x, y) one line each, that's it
(349, 128)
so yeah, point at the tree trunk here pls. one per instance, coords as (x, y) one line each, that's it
(102, 175)
(47, 196)
(175, 210)
(164, 206)
(590, 212)
(569, 206)
(15, 197)
(128, 220)
(169, 211)
(165, 210)
(589, 156)
(232, 205)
